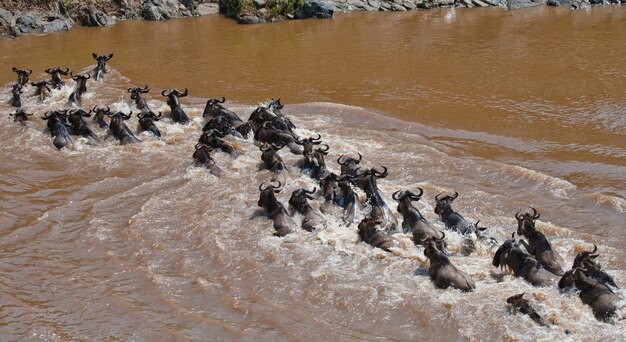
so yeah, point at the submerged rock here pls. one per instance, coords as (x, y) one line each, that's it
(94, 17)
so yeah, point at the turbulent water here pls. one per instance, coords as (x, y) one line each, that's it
(135, 243)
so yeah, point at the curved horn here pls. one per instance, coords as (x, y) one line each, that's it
(46, 115)
(310, 192)
(86, 76)
(319, 137)
(395, 197)
(339, 160)
(381, 174)
(324, 150)
(261, 187)
(418, 196)
(93, 54)
(519, 216)
(437, 196)
(185, 93)
(144, 89)
(360, 157)
(453, 197)
(223, 100)
(130, 90)
(163, 93)
(14, 69)
(141, 115)
(66, 70)
(443, 236)
(535, 213)
(28, 71)
(595, 248)
(127, 116)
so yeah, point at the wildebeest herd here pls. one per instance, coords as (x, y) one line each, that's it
(531, 257)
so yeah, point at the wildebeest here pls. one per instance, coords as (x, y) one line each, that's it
(20, 116)
(370, 233)
(212, 138)
(57, 128)
(510, 256)
(202, 157)
(315, 164)
(177, 114)
(349, 165)
(140, 103)
(538, 245)
(474, 235)
(311, 219)
(442, 272)
(328, 185)
(273, 161)
(521, 304)
(120, 130)
(585, 260)
(451, 219)
(412, 220)
(79, 126)
(602, 300)
(346, 198)
(57, 81)
(101, 67)
(222, 126)
(99, 114)
(22, 75)
(146, 123)
(283, 224)
(16, 99)
(270, 133)
(366, 180)
(41, 89)
(80, 89)
(214, 109)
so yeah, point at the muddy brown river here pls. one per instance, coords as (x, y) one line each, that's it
(511, 109)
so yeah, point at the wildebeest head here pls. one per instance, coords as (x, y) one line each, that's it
(22, 75)
(202, 154)
(328, 184)
(212, 106)
(135, 93)
(404, 198)
(434, 245)
(173, 95)
(307, 144)
(267, 197)
(149, 116)
(56, 73)
(20, 116)
(102, 64)
(526, 222)
(99, 113)
(275, 105)
(81, 82)
(444, 203)
(299, 199)
(349, 164)
(517, 299)
(586, 259)
(502, 254)
(366, 180)
(76, 117)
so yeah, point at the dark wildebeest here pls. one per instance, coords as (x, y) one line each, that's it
(521, 304)
(412, 220)
(202, 157)
(270, 133)
(222, 126)
(22, 75)
(79, 126)
(328, 185)
(346, 198)
(177, 114)
(283, 224)
(370, 234)
(349, 165)
(602, 300)
(319, 168)
(57, 128)
(101, 67)
(308, 163)
(140, 103)
(120, 130)
(451, 219)
(273, 161)
(99, 114)
(81, 88)
(585, 260)
(442, 272)
(510, 256)
(41, 89)
(146, 123)
(213, 140)
(57, 81)
(311, 219)
(214, 109)
(20, 116)
(366, 180)
(16, 99)
(538, 245)
(275, 106)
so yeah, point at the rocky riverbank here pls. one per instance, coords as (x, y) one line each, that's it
(18, 17)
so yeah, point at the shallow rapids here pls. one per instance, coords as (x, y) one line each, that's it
(135, 243)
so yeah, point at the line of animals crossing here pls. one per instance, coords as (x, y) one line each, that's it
(534, 260)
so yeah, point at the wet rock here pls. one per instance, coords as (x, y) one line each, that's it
(25, 24)
(314, 9)
(259, 3)
(375, 4)
(56, 25)
(409, 5)
(384, 6)
(397, 8)
(94, 17)
(6, 17)
(250, 19)
(362, 6)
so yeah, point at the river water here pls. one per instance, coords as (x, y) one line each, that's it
(510, 108)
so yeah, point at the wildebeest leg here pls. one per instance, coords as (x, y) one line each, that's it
(526, 246)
